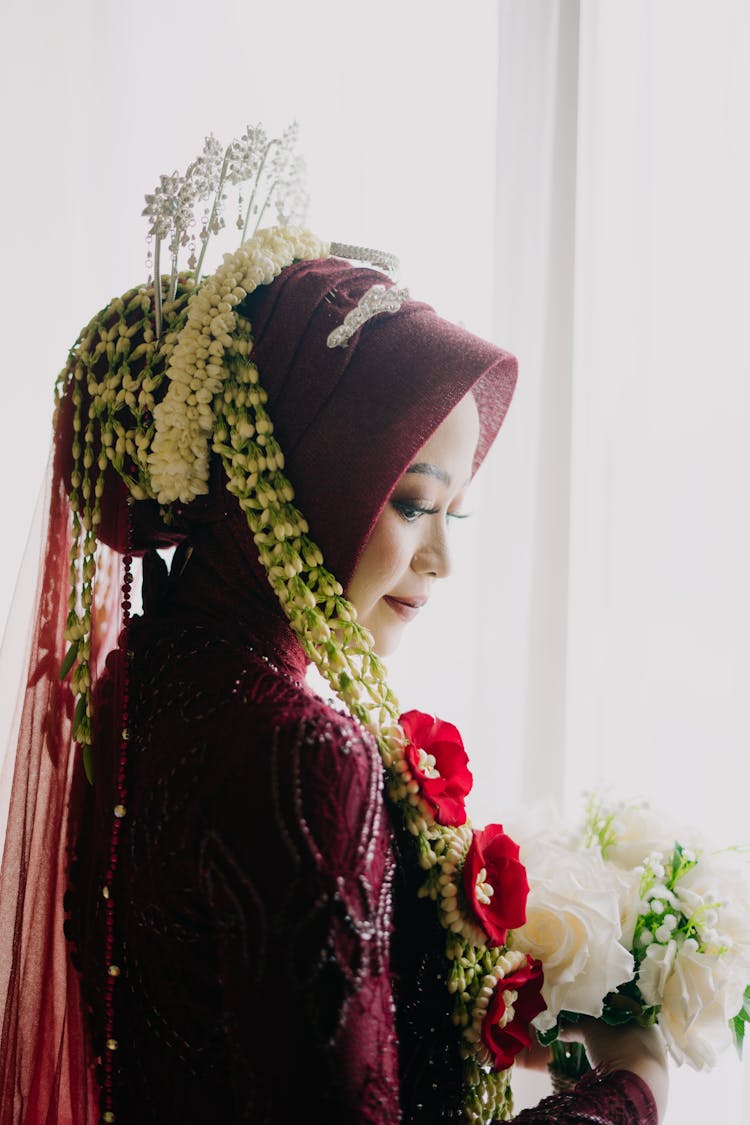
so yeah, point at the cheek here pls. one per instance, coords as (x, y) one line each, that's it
(384, 551)
(383, 560)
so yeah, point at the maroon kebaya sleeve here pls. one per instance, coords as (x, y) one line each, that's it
(297, 867)
(618, 1098)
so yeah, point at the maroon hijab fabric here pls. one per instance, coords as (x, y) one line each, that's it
(351, 419)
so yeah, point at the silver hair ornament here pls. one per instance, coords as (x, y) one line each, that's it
(377, 299)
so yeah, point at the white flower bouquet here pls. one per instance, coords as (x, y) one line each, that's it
(637, 920)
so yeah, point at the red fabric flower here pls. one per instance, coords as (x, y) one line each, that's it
(495, 883)
(504, 1043)
(439, 765)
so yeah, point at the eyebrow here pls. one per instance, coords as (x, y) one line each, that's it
(428, 470)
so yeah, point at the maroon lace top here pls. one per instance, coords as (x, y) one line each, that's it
(276, 963)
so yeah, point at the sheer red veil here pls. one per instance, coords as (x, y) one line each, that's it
(349, 421)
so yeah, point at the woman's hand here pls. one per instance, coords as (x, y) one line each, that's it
(638, 1049)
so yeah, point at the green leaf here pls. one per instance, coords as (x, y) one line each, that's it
(616, 1017)
(737, 1024)
(738, 1031)
(78, 715)
(70, 659)
(569, 1059)
(626, 1005)
(88, 763)
(546, 1038)
(570, 1017)
(744, 1011)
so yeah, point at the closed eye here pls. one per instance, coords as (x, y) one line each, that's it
(412, 512)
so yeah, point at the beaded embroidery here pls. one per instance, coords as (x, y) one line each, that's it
(119, 811)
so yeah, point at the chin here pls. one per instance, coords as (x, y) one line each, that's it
(387, 629)
(386, 641)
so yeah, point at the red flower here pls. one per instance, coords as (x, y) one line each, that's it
(495, 883)
(504, 1043)
(439, 765)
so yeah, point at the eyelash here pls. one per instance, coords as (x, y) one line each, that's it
(412, 512)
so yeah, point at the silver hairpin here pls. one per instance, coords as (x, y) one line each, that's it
(380, 258)
(377, 299)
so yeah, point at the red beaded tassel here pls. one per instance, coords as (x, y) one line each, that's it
(118, 812)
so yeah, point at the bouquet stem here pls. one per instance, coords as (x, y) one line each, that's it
(569, 1063)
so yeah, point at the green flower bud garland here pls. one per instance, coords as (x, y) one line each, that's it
(214, 403)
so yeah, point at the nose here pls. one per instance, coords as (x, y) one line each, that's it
(433, 556)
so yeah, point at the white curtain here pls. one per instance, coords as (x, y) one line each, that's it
(570, 178)
(623, 283)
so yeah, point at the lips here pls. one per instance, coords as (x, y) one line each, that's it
(405, 608)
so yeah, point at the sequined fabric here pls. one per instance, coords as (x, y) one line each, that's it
(619, 1098)
(253, 897)
(253, 907)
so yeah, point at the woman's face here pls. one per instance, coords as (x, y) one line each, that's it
(408, 548)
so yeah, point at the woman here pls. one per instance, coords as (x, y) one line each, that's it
(256, 924)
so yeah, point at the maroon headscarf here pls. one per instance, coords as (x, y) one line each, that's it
(349, 421)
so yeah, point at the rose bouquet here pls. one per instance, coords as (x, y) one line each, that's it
(637, 920)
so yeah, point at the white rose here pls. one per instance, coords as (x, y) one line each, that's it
(699, 994)
(573, 927)
(715, 893)
(655, 970)
(628, 888)
(639, 832)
